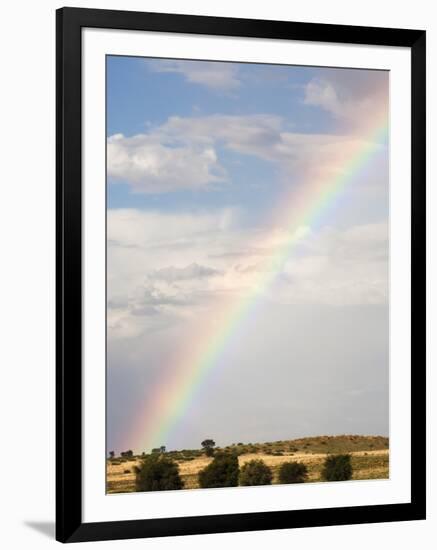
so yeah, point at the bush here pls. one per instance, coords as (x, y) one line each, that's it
(221, 472)
(293, 472)
(158, 473)
(255, 472)
(337, 468)
(126, 472)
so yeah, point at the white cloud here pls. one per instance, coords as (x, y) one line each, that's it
(182, 152)
(172, 268)
(153, 167)
(211, 74)
(263, 136)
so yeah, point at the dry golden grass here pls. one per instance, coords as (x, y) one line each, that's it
(367, 464)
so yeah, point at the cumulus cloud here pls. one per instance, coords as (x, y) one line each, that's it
(264, 136)
(153, 167)
(152, 285)
(213, 75)
(182, 152)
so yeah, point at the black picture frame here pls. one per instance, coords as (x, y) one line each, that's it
(69, 525)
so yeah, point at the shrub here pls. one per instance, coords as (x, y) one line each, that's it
(221, 472)
(158, 473)
(126, 471)
(255, 472)
(127, 454)
(293, 472)
(337, 468)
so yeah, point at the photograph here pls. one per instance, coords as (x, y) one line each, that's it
(247, 274)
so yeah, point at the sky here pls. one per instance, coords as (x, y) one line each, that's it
(247, 252)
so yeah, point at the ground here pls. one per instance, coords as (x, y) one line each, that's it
(370, 459)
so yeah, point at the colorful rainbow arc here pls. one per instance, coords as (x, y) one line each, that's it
(192, 365)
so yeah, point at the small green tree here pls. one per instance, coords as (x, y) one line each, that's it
(208, 446)
(255, 472)
(293, 472)
(337, 468)
(221, 472)
(111, 454)
(158, 473)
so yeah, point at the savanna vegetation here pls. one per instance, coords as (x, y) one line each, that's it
(305, 460)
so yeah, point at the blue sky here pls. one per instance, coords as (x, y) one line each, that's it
(142, 97)
(200, 155)
(271, 89)
(163, 94)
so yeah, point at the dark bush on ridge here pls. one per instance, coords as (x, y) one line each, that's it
(221, 472)
(293, 472)
(337, 468)
(158, 473)
(255, 472)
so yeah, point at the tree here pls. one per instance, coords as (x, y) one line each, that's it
(337, 468)
(158, 449)
(158, 473)
(129, 453)
(255, 472)
(208, 446)
(221, 472)
(111, 454)
(293, 472)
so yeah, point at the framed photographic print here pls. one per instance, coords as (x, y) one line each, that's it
(240, 274)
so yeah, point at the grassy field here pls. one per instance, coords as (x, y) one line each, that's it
(370, 459)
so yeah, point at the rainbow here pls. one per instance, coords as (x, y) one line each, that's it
(299, 212)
